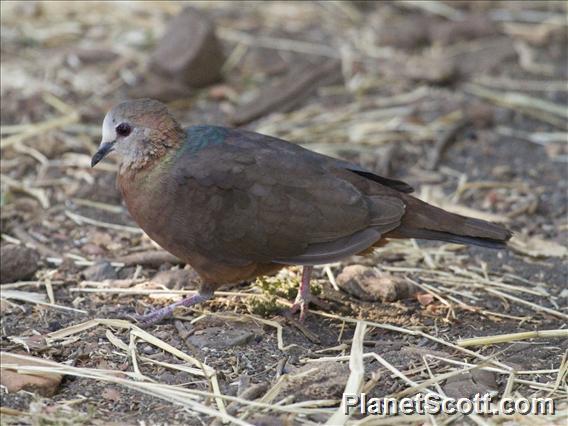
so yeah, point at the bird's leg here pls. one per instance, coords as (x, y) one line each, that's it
(304, 294)
(158, 315)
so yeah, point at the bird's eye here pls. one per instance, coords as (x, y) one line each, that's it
(123, 129)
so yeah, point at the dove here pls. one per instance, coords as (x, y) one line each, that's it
(236, 204)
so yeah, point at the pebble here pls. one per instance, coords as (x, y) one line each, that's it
(18, 263)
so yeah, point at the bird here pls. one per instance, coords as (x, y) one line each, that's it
(236, 205)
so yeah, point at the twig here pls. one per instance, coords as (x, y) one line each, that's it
(527, 303)
(444, 142)
(24, 236)
(355, 380)
(434, 7)
(37, 193)
(511, 337)
(277, 43)
(539, 108)
(152, 258)
(79, 220)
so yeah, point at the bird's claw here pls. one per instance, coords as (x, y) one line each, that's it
(301, 303)
(153, 317)
(157, 315)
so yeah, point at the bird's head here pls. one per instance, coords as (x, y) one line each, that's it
(139, 131)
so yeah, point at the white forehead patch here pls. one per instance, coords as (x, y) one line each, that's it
(109, 133)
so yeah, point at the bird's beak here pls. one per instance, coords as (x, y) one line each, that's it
(104, 149)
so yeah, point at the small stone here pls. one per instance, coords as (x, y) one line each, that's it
(425, 298)
(44, 384)
(325, 380)
(266, 420)
(219, 338)
(473, 27)
(222, 92)
(111, 393)
(189, 51)
(100, 271)
(467, 385)
(95, 56)
(168, 378)
(370, 285)
(17, 263)
(176, 278)
(160, 88)
(148, 349)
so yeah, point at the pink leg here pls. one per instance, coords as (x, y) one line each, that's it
(158, 315)
(304, 294)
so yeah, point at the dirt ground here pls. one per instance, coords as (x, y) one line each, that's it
(465, 101)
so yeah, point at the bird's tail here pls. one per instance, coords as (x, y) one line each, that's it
(424, 221)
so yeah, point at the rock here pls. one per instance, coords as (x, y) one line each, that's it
(151, 258)
(433, 67)
(93, 55)
(422, 31)
(111, 393)
(370, 285)
(466, 385)
(269, 62)
(44, 384)
(266, 420)
(472, 27)
(189, 51)
(100, 271)
(176, 278)
(220, 338)
(405, 34)
(17, 263)
(425, 298)
(156, 87)
(323, 380)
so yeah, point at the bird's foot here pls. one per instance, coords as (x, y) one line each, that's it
(157, 315)
(304, 296)
(301, 303)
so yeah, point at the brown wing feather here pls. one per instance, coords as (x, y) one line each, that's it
(261, 201)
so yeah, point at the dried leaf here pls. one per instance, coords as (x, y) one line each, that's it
(45, 384)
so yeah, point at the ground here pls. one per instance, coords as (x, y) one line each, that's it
(465, 101)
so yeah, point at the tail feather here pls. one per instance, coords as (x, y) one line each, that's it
(426, 234)
(424, 221)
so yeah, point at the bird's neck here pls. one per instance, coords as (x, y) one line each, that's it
(144, 170)
(160, 146)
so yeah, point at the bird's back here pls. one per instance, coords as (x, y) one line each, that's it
(229, 198)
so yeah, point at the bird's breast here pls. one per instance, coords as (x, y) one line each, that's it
(179, 219)
(154, 206)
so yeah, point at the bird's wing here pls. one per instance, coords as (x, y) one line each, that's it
(266, 200)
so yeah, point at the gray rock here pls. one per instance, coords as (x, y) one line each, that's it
(467, 385)
(370, 285)
(189, 51)
(220, 338)
(185, 278)
(322, 380)
(17, 263)
(100, 271)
